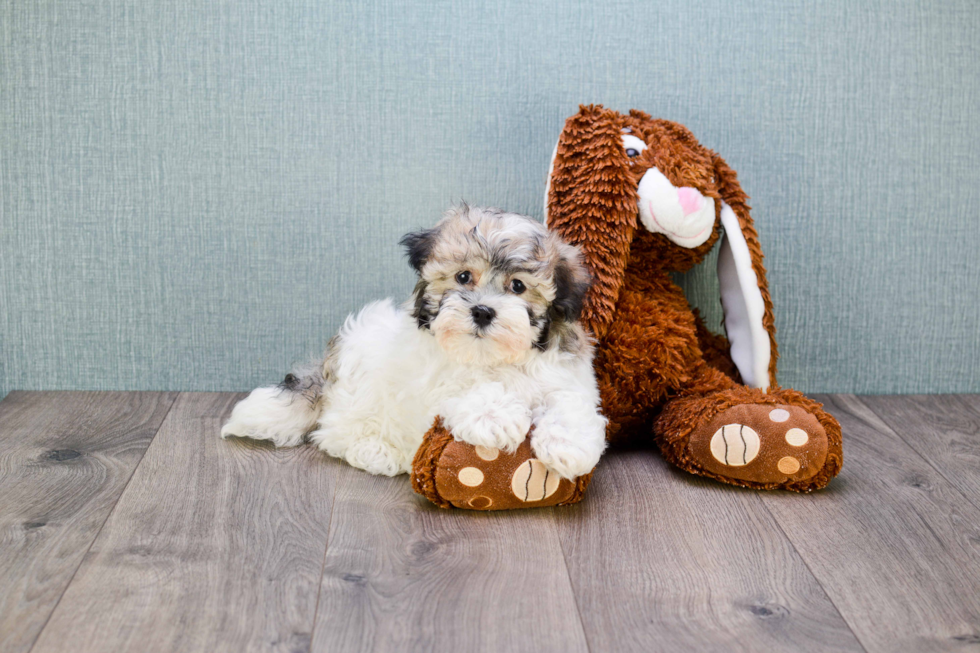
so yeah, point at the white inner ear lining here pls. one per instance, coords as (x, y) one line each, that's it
(547, 183)
(742, 302)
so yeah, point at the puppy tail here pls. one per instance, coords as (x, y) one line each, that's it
(283, 413)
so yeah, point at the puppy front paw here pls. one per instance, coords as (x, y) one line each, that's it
(564, 453)
(488, 416)
(375, 456)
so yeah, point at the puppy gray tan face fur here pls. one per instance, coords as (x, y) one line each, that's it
(494, 286)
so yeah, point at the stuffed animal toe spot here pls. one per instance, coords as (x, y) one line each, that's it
(788, 465)
(778, 415)
(487, 453)
(470, 476)
(480, 503)
(761, 443)
(797, 437)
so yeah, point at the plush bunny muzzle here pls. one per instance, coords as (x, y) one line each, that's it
(683, 215)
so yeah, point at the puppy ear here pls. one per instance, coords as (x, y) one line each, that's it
(422, 311)
(749, 321)
(418, 246)
(572, 283)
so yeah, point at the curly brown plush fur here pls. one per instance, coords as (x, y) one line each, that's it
(661, 373)
(426, 462)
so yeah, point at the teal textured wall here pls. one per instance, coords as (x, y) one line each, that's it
(193, 194)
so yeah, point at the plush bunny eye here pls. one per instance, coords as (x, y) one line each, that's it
(463, 277)
(517, 286)
(633, 145)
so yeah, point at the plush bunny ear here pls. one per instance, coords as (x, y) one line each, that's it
(745, 299)
(591, 203)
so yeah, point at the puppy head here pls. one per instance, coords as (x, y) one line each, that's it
(494, 287)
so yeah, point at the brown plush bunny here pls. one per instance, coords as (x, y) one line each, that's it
(642, 198)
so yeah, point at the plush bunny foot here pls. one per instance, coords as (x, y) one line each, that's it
(455, 474)
(779, 440)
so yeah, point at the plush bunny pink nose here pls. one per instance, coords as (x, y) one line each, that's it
(690, 199)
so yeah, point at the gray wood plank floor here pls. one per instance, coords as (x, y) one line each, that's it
(214, 546)
(127, 525)
(685, 563)
(65, 459)
(894, 544)
(402, 575)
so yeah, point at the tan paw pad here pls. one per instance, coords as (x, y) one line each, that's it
(735, 445)
(532, 481)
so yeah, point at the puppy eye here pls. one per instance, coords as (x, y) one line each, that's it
(630, 152)
(463, 277)
(517, 286)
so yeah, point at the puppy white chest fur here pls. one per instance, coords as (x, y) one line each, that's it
(385, 387)
(391, 379)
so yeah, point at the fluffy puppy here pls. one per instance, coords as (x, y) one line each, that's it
(490, 341)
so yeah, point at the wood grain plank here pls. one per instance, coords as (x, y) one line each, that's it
(894, 543)
(65, 457)
(665, 561)
(943, 429)
(214, 546)
(971, 400)
(403, 575)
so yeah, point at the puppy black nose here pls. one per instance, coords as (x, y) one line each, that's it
(482, 315)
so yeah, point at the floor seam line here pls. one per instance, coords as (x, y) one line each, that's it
(928, 462)
(323, 562)
(104, 522)
(813, 575)
(571, 585)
